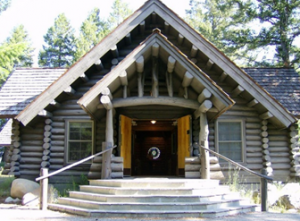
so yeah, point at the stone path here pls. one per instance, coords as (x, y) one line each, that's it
(11, 212)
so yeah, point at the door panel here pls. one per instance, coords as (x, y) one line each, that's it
(126, 133)
(183, 131)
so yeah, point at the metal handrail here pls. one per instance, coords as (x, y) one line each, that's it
(239, 165)
(263, 181)
(73, 164)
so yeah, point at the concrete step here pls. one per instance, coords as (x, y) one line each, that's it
(156, 183)
(124, 206)
(155, 197)
(151, 190)
(155, 213)
(149, 198)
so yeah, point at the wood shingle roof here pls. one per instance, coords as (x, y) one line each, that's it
(282, 83)
(23, 86)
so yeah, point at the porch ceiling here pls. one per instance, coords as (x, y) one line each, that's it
(156, 61)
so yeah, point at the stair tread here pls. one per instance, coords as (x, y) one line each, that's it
(150, 203)
(151, 196)
(223, 209)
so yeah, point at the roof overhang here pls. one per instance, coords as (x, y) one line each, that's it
(200, 81)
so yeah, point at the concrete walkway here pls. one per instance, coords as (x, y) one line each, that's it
(10, 212)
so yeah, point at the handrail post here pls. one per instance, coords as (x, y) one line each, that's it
(44, 190)
(264, 191)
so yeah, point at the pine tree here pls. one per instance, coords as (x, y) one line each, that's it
(120, 11)
(4, 4)
(16, 51)
(92, 30)
(20, 35)
(218, 21)
(59, 49)
(281, 21)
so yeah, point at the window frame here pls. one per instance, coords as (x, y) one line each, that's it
(67, 134)
(243, 137)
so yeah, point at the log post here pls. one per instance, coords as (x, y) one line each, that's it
(44, 190)
(155, 52)
(264, 192)
(203, 135)
(109, 137)
(169, 75)
(140, 69)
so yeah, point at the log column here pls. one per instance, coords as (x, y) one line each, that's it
(15, 150)
(155, 51)
(265, 144)
(203, 135)
(109, 137)
(294, 148)
(47, 144)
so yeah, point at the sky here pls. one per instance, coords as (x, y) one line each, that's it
(38, 16)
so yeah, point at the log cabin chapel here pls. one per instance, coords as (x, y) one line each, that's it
(156, 89)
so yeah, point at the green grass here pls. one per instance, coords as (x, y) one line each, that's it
(5, 184)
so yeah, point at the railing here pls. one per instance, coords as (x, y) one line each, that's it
(263, 178)
(44, 176)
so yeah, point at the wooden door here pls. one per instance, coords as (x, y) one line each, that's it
(184, 141)
(126, 134)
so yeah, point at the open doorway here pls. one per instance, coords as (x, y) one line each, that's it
(155, 148)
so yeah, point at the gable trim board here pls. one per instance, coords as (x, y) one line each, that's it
(155, 6)
(222, 101)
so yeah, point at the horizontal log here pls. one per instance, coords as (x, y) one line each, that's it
(57, 149)
(281, 160)
(56, 160)
(117, 160)
(115, 175)
(192, 167)
(192, 174)
(31, 149)
(34, 173)
(57, 155)
(281, 166)
(278, 149)
(30, 166)
(31, 160)
(32, 154)
(94, 175)
(96, 167)
(117, 167)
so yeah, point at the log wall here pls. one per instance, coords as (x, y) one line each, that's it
(32, 140)
(279, 152)
(116, 168)
(294, 150)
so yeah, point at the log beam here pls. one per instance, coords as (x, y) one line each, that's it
(54, 103)
(115, 52)
(84, 78)
(167, 27)
(180, 39)
(128, 39)
(223, 76)
(137, 101)
(252, 103)
(70, 91)
(237, 91)
(155, 50)
(209, 64)
(194, 51)
(105, 100)
(142, 27)
(266, 115)
(205, 94)
(99, 65)
(204, 107)
(106, 91)
(187, 79)
(123, 78)
(44, 113)
(140, 64)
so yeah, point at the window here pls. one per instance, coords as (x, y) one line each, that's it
(79, 140)
(230, 139)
